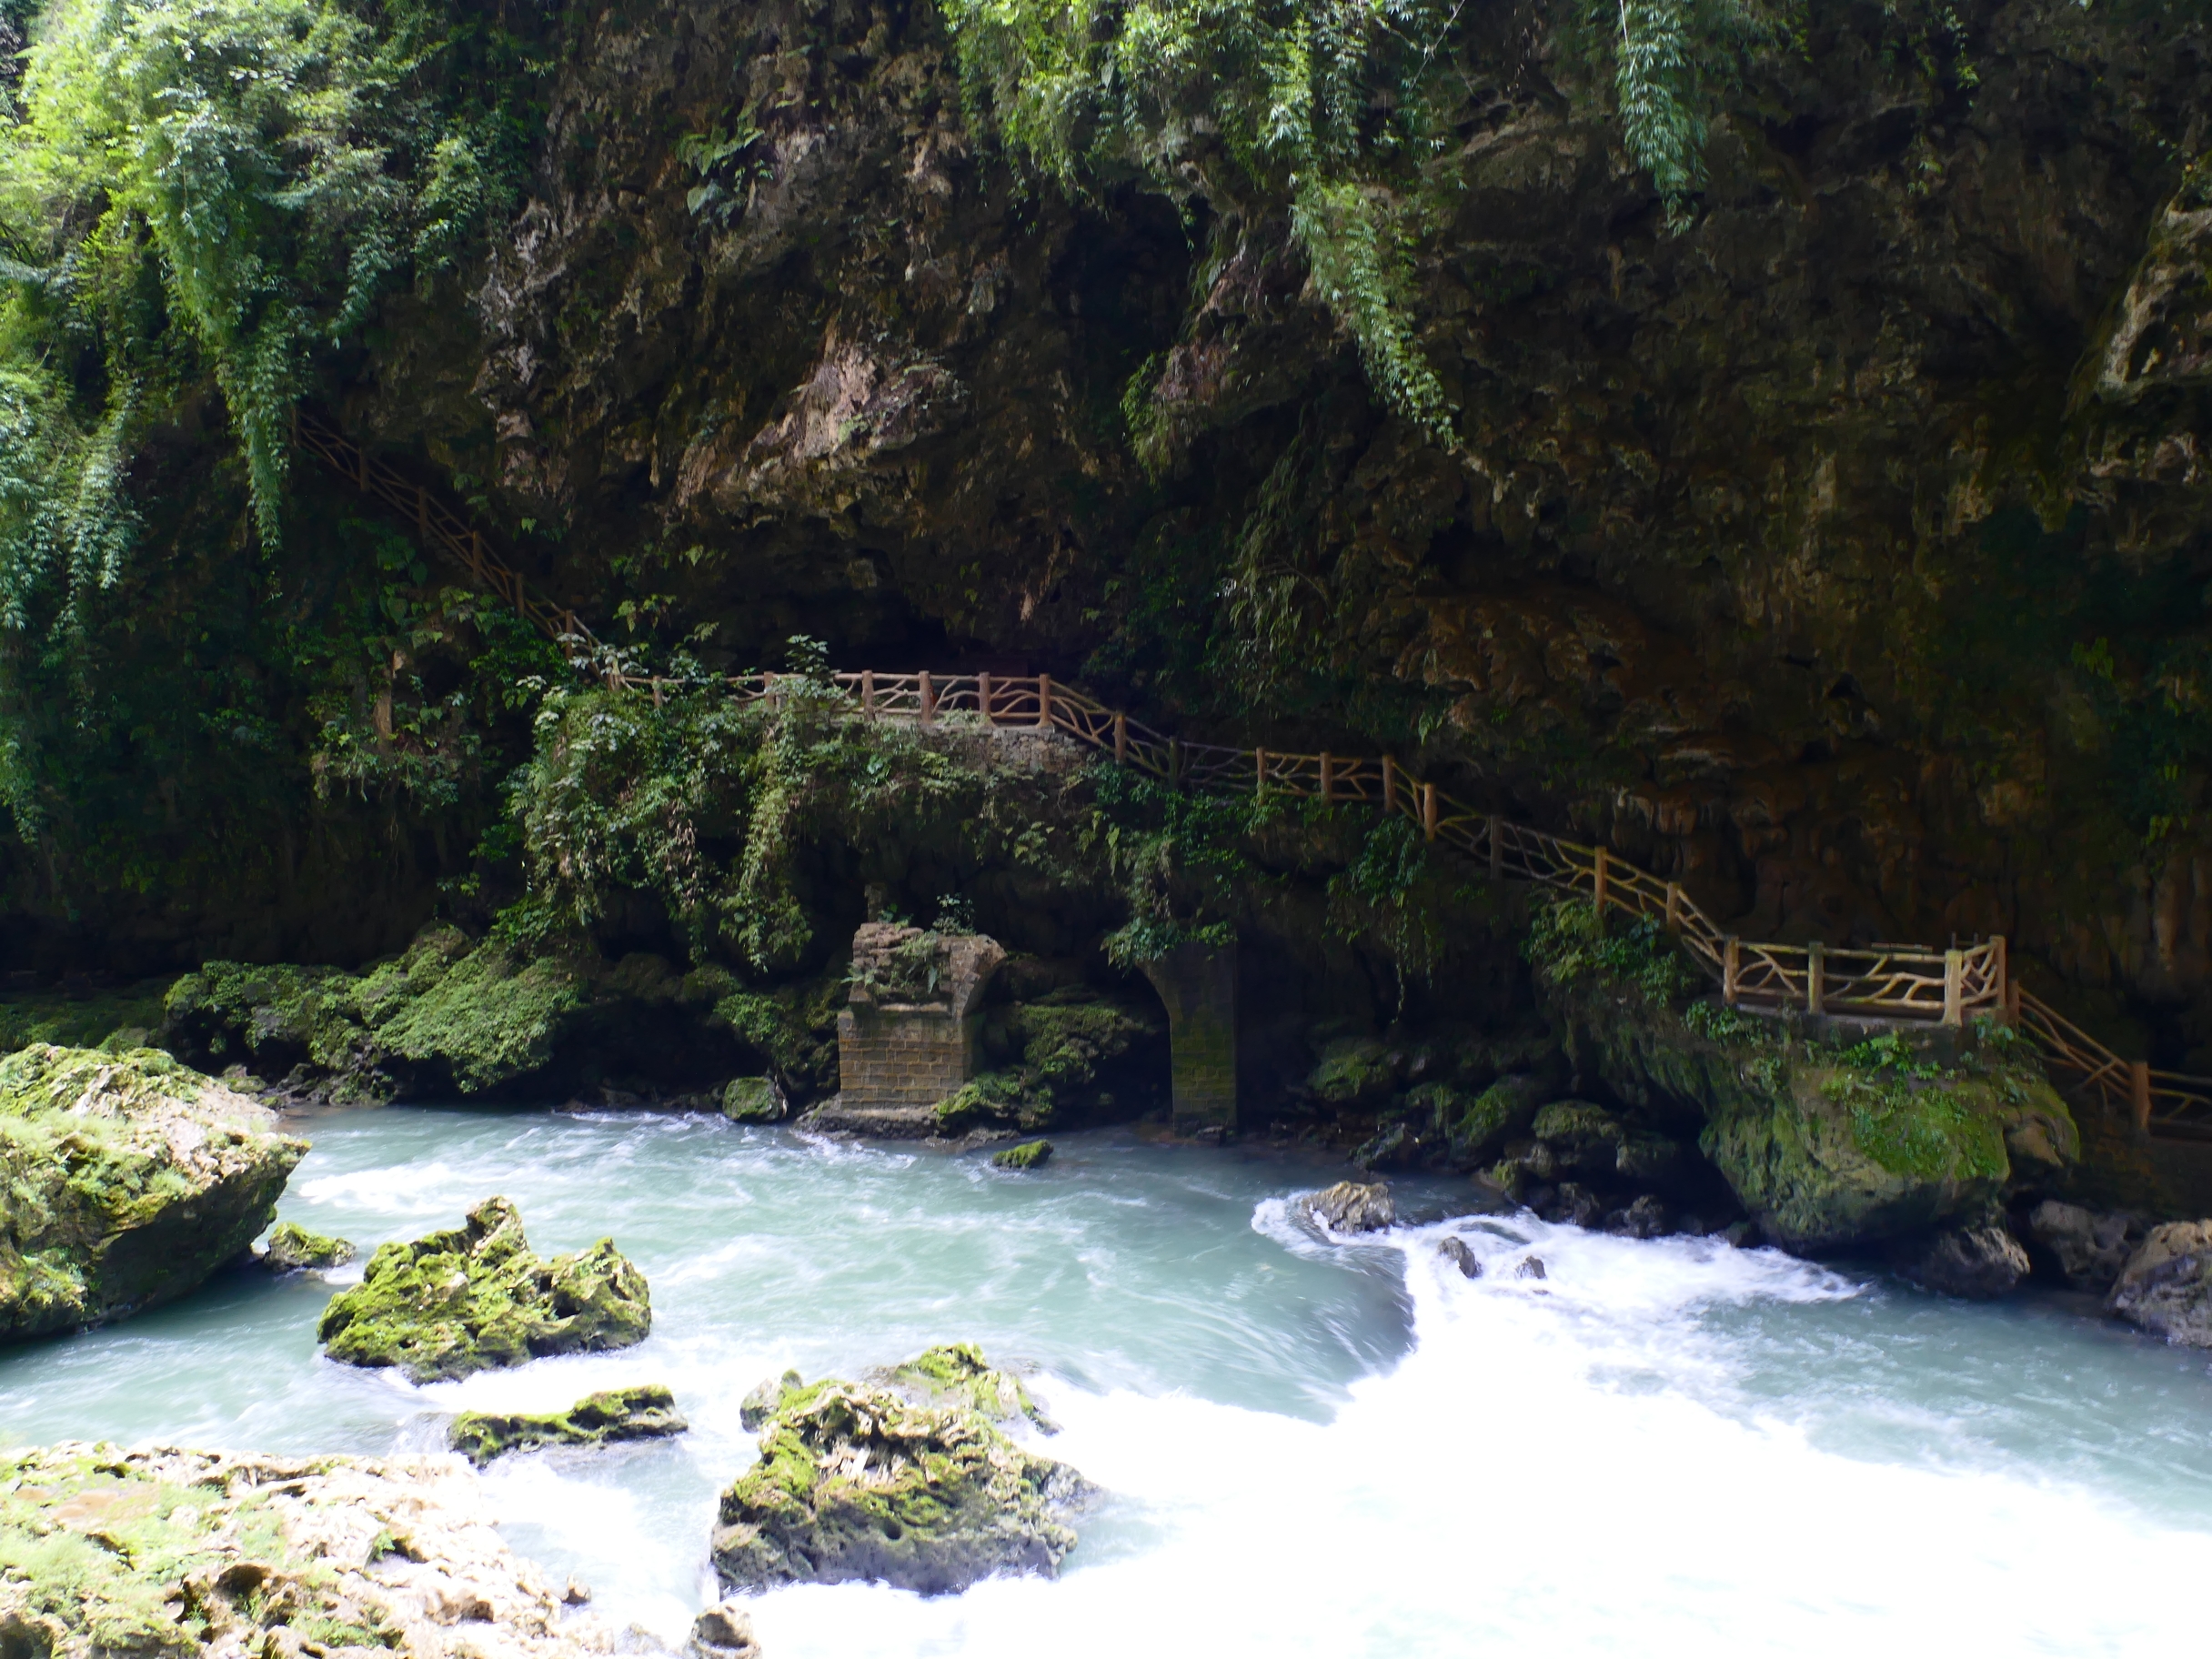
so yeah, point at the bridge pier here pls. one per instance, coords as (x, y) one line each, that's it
(1198, 983)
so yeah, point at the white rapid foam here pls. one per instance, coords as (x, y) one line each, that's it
(1563, 1466)
(1308, 1447)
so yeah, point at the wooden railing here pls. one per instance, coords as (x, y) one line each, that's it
(440, 528)
(1912, 983)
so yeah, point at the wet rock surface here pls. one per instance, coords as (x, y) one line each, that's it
(1351, 1206)
(1029, 1155)
(128, 1179)
(250, 1555)
(2166, 1285)
(1456, 1252)
(860, 1482)
(647, 1411)
(2088, 1249)
(477, 1296)
(725, 1631)
(1980, 1262)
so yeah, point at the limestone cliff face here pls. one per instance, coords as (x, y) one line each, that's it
(1842, 551)
(1778, 550)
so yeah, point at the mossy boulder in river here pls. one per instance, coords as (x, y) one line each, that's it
(644, 1413)
(858, 1483)
(476, 1297)
(128, 1179)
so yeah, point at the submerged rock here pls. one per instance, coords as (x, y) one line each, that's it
(165, 1555)
(1029, 1155)
(127, 1179)
(857, 1483)
(2089, 1249)
(2166, 1285)
(1352, 1206)
(647, 1411)
(1532, 1267)
(476, 1297)
(1980, 1262)
(1454, 1250)
(292, 1247)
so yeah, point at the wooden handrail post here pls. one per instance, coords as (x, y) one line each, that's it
(868, 693)
(1044, 700)
(1328, 781)
(929, 701)
(1674, 907)
(1390, 784)
(1597, 889)
(1731, 967)
(422, 512)
(1497, 848)
(1259, 774)
(657, 703)
(983, 697)
(363, 455)
(1176, 763)
(1953, 987)
(1815, 971)
(2008, 1005)
(1121, 740)
(1428, 812)
(2139, 1094)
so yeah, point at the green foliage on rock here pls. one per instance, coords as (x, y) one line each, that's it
(647, 1411)
(291, 1247)
(753, 1100)
(857, 1483)
(477, 1296)
(129, 1179)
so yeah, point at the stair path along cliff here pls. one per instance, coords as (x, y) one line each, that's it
(1913, 984)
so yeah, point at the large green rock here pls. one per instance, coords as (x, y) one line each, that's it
(647, 1411)
(476, 1297)
(127, 1179)
(859, 1482)
(1827, 1142)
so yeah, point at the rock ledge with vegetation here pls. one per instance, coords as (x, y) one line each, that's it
(163, 1554)
(860, 1483)
(477, 1296)
(129, 1179)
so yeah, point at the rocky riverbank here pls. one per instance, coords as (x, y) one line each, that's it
(163, 1551)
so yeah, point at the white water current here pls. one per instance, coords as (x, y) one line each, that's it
(1307, 1448)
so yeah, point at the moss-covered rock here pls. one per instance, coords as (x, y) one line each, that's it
(291, 1247)
(1072, 1053)
(1029, 1155)
(1352, 1071)
(162, 1553)
(856, 1482)
(128, 1179)
(647, 1411)
(1827, 1142)
(957, 1374)
(113, 1020)
(477, 1296)
(753, 1100)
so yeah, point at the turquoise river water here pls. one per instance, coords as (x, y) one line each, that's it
(1307, 1448)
